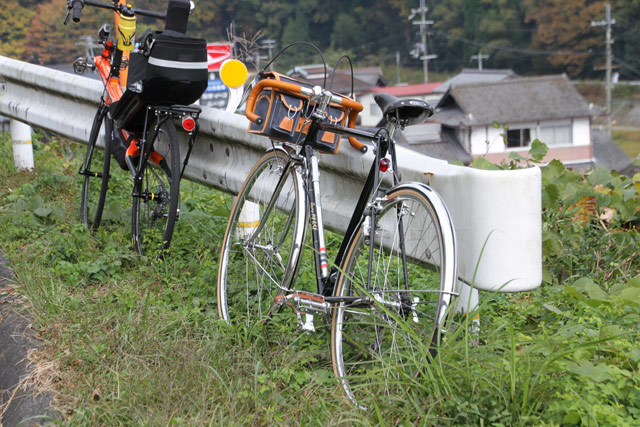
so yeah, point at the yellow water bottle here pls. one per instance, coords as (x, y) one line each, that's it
(126, 30)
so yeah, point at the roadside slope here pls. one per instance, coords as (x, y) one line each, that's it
(20, 403)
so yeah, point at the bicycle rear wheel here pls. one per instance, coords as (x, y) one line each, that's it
(95, 171)
(383, 332)
(261, 247)
(156, 193)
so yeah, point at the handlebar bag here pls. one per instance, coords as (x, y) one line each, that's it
(286, 117)
(170, 68)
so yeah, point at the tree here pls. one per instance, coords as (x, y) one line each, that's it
(564, 26)
(16, 21)
(626, 33)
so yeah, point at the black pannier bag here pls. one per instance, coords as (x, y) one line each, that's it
(171, 68)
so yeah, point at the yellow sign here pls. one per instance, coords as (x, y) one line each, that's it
(233, 73)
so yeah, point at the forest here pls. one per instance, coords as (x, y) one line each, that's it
(528, 36)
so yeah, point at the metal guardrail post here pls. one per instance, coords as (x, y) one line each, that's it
(22, 147)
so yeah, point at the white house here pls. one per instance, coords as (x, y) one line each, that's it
(493, 119)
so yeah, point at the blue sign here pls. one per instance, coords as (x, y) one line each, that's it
(215, 85)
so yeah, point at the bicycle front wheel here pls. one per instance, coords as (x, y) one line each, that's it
(95, 171)
(396, 283)
(263, 240)
(156, 193)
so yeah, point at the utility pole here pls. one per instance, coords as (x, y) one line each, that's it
(479, 57)
(397, 66)
(422, 10)
(89, 46)
(268, 44)
(608, 22)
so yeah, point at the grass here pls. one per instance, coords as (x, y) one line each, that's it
(128, 341)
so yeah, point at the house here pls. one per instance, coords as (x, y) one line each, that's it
(472, 75)
(609, 154)
(340, 81)
(371, 114)
(494, 119)
(429, 92)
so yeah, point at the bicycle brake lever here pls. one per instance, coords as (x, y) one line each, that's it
(66, 18)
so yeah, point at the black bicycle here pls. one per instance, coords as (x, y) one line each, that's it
(393, 277)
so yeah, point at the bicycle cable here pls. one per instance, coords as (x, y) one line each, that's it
(335, 68)
(324, 62)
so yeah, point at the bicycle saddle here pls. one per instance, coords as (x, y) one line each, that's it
(405, 112)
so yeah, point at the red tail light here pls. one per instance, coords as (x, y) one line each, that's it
(188, 123)
(384, 165)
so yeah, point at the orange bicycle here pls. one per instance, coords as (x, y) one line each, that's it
(147, 86)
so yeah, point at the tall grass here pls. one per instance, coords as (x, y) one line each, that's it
(138, 342)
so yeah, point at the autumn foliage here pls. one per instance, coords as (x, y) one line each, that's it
(528, 36)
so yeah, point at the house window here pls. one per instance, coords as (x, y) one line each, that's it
(518, 138)
(558, 134)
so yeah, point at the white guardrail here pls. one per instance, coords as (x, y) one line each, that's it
(497, 214)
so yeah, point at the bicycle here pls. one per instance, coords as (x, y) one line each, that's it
(139, 121)
(394, 275)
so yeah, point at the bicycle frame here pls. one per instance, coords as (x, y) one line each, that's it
(326, 281)
(325, 277)
(113, 78)
(162, 114)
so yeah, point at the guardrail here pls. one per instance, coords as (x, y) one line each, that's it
(497, 214)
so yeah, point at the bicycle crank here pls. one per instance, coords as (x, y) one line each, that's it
(305, 303)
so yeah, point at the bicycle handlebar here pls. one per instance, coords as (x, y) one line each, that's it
(77, 10)
(78, 5)
(294, 89)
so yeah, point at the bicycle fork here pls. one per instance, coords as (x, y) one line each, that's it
(308, 303)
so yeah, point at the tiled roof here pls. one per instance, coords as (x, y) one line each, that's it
(364, 78)
(408, 90)
(609, 154)
(446, 147)
(512, 101)
(470, 75)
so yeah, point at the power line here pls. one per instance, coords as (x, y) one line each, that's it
(627, 65)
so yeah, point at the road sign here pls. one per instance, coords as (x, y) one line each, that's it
(215, 85)
(217, 53)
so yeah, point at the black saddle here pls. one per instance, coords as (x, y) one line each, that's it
(404, 112)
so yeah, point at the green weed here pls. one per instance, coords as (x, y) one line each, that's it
(138, 342)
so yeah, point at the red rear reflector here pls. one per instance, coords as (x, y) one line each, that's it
(188, 123)
(384, 165)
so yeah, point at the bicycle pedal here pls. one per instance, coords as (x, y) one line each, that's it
(80, 65)
(304, 302)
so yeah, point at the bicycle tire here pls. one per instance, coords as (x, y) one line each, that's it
(260, 254)
(382, 342)
(95, 184)
(156, 193)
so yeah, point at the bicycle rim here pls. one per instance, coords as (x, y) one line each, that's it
(95, 171)
(155, 196)
(379, 348)
(260, 253)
